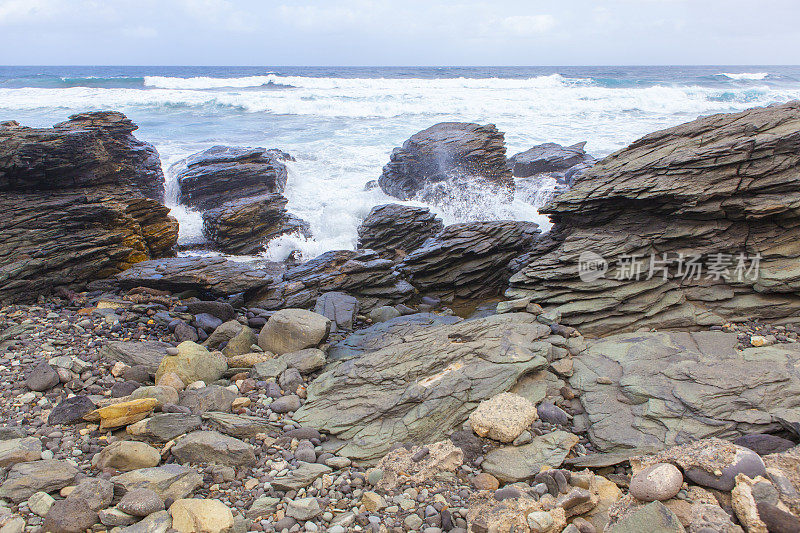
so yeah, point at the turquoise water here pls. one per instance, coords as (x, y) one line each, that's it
(342, 123)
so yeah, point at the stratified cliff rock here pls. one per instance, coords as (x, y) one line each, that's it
(244, 226)
(713, 206)
(447, 151)
(468, 260)
(80, 201)
(223, 173)
(394, 230)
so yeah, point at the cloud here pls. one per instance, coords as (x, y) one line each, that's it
(24, 10)
(220, 14)
(527, 25)
(319, 18)
(139, 32)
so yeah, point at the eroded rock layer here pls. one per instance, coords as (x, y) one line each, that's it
(362, 274)
(420, 389)
(722, 191)
(244, 226)
(654, 390)
(394, 230)
(80, 201)
(468, 260)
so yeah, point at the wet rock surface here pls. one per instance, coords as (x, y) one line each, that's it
(245, 226)
(445, 151)
(220, 174)
(394, 230)
(552, 159)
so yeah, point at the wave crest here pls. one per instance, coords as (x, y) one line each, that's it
(745, 75)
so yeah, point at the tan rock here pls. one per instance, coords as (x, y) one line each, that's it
(607, 494)
(399, 466)
(194, 515)
(122, 414)
(249, 360)
(128, 455)
(193, 363)
(744, 504)
(241, 402)
(171, 379)
(503, 417)
(290, 330)
(372, 501)
(485, 481)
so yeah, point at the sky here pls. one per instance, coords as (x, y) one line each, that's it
(399, 32)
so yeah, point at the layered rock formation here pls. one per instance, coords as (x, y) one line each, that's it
(88, 150)
(244, 226)
(447, 151)
(80, 201)
(654, 390)
(362, 274)
(223, 173)
(551, 158)
(468, 260)
(217, 275)
(419, 390)
(720, 196)
(394, 230)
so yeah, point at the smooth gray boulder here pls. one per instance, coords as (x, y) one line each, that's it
(25, 479)
(510, 464)
(421, 389)
(168, 481)
(145, 353)
(213, 447)
(654, 390)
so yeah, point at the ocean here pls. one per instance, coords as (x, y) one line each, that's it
(341, 123)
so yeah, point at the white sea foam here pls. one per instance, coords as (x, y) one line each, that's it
(746, 75)
(206, 82)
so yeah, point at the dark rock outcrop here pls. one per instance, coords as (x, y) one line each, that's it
(80, 201)
(468, 260)
(88, 150)
(246, 225)
(551, 158)
(223, 173)
(362, 274)
(447, 151)
(726, 184)
(653, 390)
(217, 275)
(418, 390)
(394, 230)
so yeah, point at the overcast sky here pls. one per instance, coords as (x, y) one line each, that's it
(400, 32)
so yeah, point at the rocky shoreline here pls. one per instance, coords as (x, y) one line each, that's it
(393, 387)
